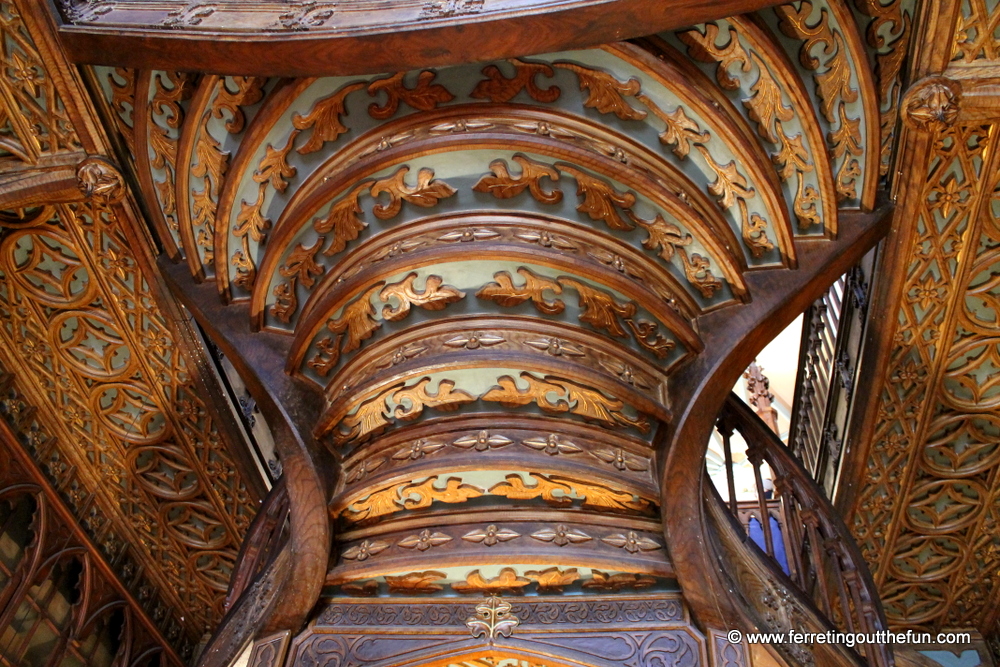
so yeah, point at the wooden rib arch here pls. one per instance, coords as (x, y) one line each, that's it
(367, 254)
(337, 177)
(185, 151)
(274, 106)
(724, 127)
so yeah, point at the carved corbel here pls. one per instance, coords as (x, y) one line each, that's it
(932, 104)
(100, 181)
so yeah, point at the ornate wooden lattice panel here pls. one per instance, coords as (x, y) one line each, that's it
(926, 516)
(108, 390)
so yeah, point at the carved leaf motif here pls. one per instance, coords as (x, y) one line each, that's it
(324, 118)
(606, 93)
(211, 160)
(249, 91)
(664, 236)
(593, 405)
(508, 581)
(621, 460)
(507, 394)
(424, 540)
(250, 222)
(646, 335)
(596, 495)
(599, 308)
(446, 399)
(433, 296)
(698, 273)
(504, 186)
(552, 445)
(361, 471)
(454, 492)
(680, 131)
(418, 450)
(755, 232)
(424, 96)
(491, 535)
(766, 107)
(482, 441)
(426, 193)
(467, 235)
(632, 542)
(377, 504)
(416, 582)
(553, 580)
(704, 47)
(498, 89)
(515, 489)
(274, 167)
(475, 340)
(616, 582)
(561, 535)
(792, 157)
(847, 146)
(343, 220)
(365, 550)
(556, 347)
(357, 319)
(369, 419)
(600, 199)
(547, 240)
(361, 589)
(804, 206)
(503, 292)
(730, 184)
(301, 266)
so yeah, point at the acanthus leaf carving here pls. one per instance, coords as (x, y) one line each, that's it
(324, 118)
(424, 96)
(704, 47)
(515, 489)
(508, 581)
(416, 582)
(553, 580)
(434, 296)
(605, 93)
(498, 89)
(504, 186)
(446, 399)
(615, 582)
(680, 131)
(503, 291)
(599, 308)
(766, 107)
(427, 492)
(343, 219)
(426, 193)
(601, 200)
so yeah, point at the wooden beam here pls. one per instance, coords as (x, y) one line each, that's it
(277, 39)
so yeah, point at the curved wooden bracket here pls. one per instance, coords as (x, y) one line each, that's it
(290, 409)
(732, 339)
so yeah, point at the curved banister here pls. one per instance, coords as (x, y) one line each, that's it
(825, 581)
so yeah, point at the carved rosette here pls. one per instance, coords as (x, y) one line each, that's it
(932, 104)
(100, 181)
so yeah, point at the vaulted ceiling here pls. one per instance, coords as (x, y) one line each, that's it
(258, 185)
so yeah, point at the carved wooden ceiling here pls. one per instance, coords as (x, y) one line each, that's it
(487, 275)
(110, 387)
(926, 503)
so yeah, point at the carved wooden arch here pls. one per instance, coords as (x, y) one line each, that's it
(701, 387)
(343, 174)
(33, 551)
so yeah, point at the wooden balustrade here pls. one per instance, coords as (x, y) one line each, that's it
(832, 336)
(823, 569)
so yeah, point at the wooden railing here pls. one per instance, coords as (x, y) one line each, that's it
(832, 335)
(823, 571)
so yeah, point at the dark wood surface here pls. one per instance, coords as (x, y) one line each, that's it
(384, 40)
